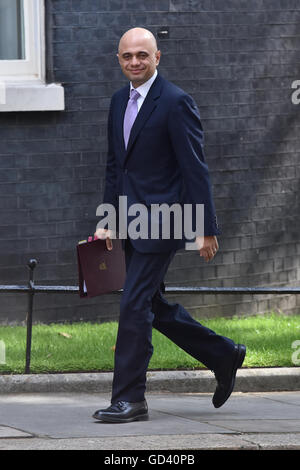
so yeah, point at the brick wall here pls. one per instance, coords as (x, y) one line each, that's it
(238, 60)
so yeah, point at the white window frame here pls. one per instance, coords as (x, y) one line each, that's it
(30, 67)
(22, 82)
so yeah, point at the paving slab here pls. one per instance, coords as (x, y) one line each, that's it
(186, 443)
(260, 425)
(177, 421)
(8, 432)
(64, 416)
(274, 441)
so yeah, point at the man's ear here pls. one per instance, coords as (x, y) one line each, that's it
(157, 55)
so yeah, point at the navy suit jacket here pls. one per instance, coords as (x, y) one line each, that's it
(164, 161)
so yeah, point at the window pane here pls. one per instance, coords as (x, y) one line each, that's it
(11, 30)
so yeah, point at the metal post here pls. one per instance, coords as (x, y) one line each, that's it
(31, 265)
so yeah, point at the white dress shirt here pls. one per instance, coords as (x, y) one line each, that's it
(143, 89)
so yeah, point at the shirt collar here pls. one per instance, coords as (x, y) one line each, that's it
(143, 89)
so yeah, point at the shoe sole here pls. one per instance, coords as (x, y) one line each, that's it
(241, 353)
(108, 419)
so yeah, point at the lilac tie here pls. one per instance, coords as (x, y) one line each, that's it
(130, 114)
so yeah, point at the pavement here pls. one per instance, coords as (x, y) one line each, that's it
(54, 412)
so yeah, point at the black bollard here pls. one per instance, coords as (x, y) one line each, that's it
(31, 265)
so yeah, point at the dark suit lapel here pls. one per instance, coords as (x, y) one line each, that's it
(122, 104)
(144, 113)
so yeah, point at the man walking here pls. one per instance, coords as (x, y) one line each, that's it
(155, 156)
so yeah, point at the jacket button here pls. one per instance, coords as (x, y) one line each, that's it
(125, 171)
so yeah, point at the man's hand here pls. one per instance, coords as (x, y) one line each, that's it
(208, 246)
(105, 234)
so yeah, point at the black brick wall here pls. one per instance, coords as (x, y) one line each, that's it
(238, 60)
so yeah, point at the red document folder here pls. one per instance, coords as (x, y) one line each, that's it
(100, 270)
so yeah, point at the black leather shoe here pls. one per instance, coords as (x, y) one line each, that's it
(123, 412)
(226, 377)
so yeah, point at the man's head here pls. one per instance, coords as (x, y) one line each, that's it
(138, 55)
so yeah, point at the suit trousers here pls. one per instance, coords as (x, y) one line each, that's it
(143, 307)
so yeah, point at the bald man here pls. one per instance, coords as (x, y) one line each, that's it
(155, 156)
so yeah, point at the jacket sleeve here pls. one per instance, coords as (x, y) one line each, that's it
(187, 139)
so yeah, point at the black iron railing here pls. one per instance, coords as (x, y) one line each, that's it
(31, 289)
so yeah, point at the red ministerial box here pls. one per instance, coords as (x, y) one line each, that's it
(100, 270)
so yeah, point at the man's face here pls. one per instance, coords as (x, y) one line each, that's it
(138, 58)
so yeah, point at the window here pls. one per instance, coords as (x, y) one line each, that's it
(12, 30)
(22, 59)
(17, 52)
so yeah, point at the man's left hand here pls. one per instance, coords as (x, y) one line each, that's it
(208, 247)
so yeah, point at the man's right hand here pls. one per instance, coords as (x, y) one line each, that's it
(105, 234)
